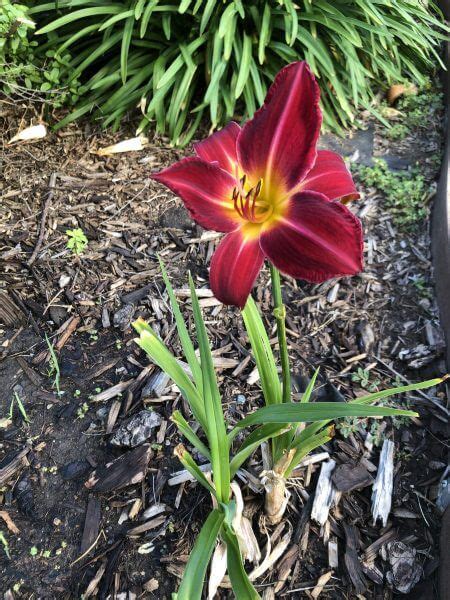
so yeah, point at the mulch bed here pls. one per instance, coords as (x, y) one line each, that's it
(78, 531)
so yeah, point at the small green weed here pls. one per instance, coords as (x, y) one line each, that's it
(398, 131)
(421, 286)
(4, 543)
(54, 367)
(362, 376)
(420, 109)
(82, 410)
(77, 241)
(405, 192)
(20, 406)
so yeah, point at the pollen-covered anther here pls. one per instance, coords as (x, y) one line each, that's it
(249, 205)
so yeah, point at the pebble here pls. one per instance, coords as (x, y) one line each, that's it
(123, 317)
(136, 430)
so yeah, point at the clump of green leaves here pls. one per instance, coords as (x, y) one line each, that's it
(77, 241)
(362, 376)
(278, 421)
(30, 70)
(419, 109)
(405, 192)
(398, 131)
(181, 60)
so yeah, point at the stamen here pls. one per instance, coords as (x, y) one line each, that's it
(246, 204)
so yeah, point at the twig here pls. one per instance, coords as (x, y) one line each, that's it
(48, 199)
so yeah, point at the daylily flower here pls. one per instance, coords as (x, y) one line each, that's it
(272, 192)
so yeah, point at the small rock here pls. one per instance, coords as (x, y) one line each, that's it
(137, 430)
(240, 399)
(329, 393)
(23, 494)
(75, 470)
(406, 569)
(366, 336)
(123, 317)
(64, 280)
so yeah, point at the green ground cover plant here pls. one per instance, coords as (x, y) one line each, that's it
(179, 61)
(405, 192)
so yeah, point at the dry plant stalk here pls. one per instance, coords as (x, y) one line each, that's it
(274, 482)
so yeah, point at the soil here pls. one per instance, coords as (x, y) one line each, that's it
(382, 321)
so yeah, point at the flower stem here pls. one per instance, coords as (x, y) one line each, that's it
(280, 316)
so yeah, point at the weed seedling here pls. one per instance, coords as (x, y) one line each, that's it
(4, 543)
(54, 366)
(77, 241)
(21, 408)
(82, 410)
(362, 376)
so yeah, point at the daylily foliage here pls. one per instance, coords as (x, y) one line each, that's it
(215, 442)
(273, 193)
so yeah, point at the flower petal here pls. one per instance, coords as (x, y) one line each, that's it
(330, 177)
(279, 143)
(205, 189)
(316, 240)
(235, 266)
(221, 147)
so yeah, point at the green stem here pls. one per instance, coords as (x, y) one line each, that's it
(280, 316)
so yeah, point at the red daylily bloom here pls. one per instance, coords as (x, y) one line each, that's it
(273, 193)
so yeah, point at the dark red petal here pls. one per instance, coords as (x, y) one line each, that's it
(205, 189)
(234, 267)
(279, 143)
(330, 177)
(316, 240)
(221, 147)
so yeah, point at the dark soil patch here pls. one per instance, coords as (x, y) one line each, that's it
(382, 321)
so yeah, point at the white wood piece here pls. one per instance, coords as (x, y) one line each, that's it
(325, 493)
(382, 488)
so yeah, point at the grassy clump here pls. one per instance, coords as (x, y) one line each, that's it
(178, 61)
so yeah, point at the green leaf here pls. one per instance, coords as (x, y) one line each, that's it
(189, 433)
(291, 412)
(303, 448)
(186, 342)
(216, 430)
(262, 353)
(245, 62)
(252, 442)
(160, 355)
(242, 586)
(190, 465)
(83, 13)
(125, 47)
(195, 571)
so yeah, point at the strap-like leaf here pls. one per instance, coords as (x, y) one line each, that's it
(160, 355)
(290, 412)
(194, 574)
(241, 584)
(190, 465)
(216, 430)
(186, 343)
(189, 433)
(262, 353)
